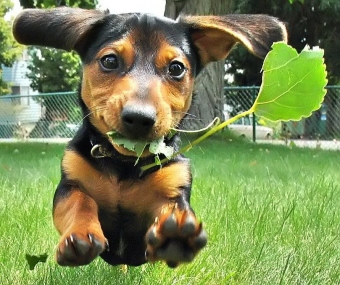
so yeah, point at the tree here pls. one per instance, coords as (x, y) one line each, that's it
(9, 49)
(309, 22)
(208, 91)
(52, 70)
(89, 4)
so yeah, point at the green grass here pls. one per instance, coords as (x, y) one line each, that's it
(272, 215)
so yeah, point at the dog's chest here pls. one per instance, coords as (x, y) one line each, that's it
(136, 195)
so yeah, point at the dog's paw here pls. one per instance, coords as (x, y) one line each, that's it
(80, 249)
(175, 237)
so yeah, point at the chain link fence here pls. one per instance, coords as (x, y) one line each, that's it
(58, 115)
(52, 115)
(323, 124)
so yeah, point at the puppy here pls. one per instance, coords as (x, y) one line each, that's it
(138, 77)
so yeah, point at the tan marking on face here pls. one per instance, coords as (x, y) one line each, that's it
(146, 195)
(176, 95)
(106, 93)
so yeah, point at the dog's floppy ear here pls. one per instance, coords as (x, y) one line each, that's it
(62, 28)
(215, 36)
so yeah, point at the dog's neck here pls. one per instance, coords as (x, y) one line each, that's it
(101, 148)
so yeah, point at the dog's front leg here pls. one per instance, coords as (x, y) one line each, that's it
(176, 235)
(75, 216)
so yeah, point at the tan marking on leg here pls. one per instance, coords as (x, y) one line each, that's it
(103, 189)
(76, 211)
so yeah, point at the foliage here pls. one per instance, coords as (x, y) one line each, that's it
(52, 70)
(87, 4)
(292, 1)
(309, 22)
(157, 147)
(4, 88)
(9, 49)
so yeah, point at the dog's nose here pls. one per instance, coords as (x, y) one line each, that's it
(138, 120)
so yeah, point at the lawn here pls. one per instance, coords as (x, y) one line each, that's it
(272, 215)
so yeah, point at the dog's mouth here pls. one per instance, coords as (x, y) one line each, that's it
(141, 148)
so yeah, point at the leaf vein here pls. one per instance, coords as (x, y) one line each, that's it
(287, 91)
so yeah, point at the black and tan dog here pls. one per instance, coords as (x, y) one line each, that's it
(138, 76)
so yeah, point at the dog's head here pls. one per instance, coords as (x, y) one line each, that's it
(138, 69)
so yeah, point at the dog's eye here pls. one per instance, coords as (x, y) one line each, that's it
(109, 62)
(177, 70)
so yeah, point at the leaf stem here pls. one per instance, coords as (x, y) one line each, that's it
(201, 138)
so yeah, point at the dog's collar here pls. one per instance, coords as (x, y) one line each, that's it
(100, 151)
(105, 150)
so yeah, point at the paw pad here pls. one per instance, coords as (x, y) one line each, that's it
(175, 237)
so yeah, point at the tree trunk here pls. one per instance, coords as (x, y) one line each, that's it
(208, 92)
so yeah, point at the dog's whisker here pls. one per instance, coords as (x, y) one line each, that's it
(192, 119)
(184, 113)
(90, 113)
(98, 108)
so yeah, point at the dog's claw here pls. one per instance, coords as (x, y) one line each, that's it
(152, 237)
(90, 236)
(107, 245)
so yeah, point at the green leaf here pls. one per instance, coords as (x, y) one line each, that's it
(293, 84)
(33, 260)
(131, 145)
(139, 148)
(126, 143)
(156, 147)
(159, 146)
(112, 134)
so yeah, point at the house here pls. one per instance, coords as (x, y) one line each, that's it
(19, 112)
